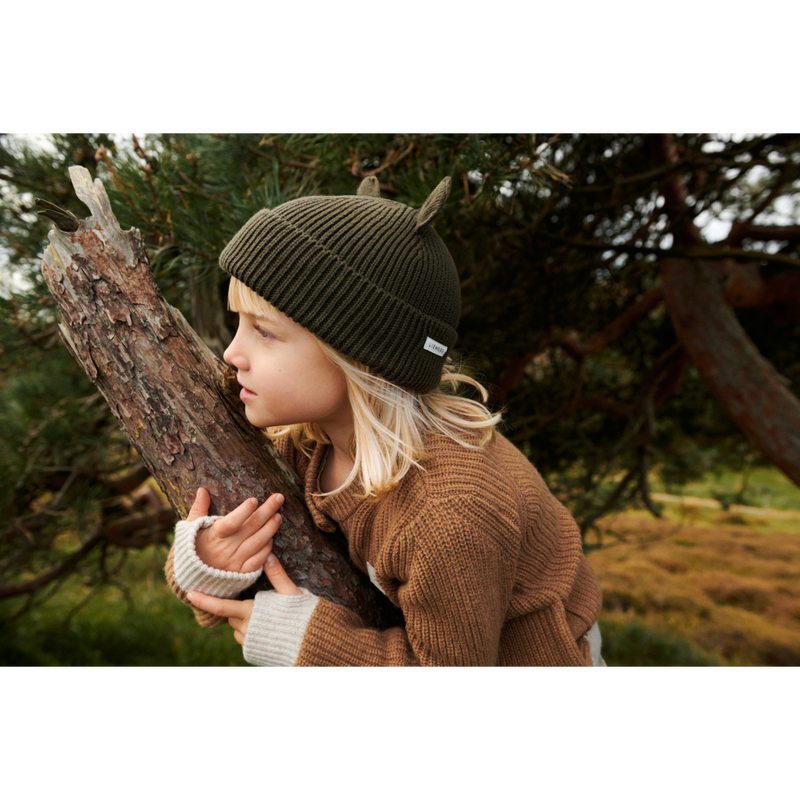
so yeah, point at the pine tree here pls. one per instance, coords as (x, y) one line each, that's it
(561, 242)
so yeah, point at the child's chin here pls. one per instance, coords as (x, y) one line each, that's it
(255, 419)
(261, 421)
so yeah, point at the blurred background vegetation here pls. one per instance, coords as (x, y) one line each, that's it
(559, 241)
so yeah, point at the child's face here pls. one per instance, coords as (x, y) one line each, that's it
(285, 376)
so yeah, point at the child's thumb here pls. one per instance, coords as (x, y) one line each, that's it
(282, 583)
(199, 508)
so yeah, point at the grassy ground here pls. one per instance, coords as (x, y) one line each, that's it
(764, 487)
(150, 627)
(699, 586)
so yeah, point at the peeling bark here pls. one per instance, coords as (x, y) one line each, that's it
(171, 396)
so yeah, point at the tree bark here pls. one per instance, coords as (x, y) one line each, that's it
(747, 385)
(173, 397)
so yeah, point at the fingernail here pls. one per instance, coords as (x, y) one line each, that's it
(270, 559)
(280, 499)
(252, 500)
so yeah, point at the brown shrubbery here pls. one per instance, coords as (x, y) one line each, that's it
(732, 590)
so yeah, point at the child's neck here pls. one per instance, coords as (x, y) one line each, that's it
(338, 462)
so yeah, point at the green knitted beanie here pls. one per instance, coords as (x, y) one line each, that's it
(366, 275)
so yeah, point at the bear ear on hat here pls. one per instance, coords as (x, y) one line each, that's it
(433, 205)
(370, 186)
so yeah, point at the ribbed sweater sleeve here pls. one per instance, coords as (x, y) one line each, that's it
(276, 628)
(453, 597)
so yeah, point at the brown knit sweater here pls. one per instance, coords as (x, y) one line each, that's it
(485, 564)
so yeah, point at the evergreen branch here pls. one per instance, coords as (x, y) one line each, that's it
(648, 175)
(262, 154)
(706, 252)
(148, 179)
(571, 344)
(19, 248)
(273, 141)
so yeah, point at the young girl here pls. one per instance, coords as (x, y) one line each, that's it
(348, 308)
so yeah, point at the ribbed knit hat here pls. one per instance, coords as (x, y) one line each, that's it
(366, 275)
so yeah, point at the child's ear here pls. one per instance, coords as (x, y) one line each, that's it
(433, 205)
(370, 187)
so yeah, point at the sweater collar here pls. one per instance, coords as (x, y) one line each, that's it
(337, 507)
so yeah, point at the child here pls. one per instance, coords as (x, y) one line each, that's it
(348, 308)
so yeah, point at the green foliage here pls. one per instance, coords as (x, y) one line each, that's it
(635, 644)
(143, 626)
(763, 487)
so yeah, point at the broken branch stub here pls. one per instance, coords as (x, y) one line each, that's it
(171, 396)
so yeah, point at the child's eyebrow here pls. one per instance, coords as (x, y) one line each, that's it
(265, 318)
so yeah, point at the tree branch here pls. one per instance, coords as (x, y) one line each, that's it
(571, 344)
(762, 233)
(747, 385)
(676, 196)
(121, 532)
(131, 480)
(49, 575)
(705, 251)
(618, 326)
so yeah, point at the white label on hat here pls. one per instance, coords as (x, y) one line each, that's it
(434, 347)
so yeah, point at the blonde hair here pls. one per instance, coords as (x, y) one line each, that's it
(390, 422)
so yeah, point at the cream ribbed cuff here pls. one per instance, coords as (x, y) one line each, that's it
(192, 575)
(595, 645)
(276, 628)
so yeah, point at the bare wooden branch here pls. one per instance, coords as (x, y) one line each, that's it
(762, 233)
(49, 575)
(621, 324)
(172, 398)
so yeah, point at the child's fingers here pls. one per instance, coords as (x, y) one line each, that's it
(200, 506)
(257, 560)
(237, 609)
(233, 521)
(248, 517)
(282, 583)
(254, 557)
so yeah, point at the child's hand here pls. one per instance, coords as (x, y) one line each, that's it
(238, 611)
(242, 539)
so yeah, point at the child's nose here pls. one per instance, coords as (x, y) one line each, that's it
(234, 356)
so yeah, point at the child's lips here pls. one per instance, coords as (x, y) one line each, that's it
(246, 395)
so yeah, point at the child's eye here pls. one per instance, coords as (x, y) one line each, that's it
(263, 333)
